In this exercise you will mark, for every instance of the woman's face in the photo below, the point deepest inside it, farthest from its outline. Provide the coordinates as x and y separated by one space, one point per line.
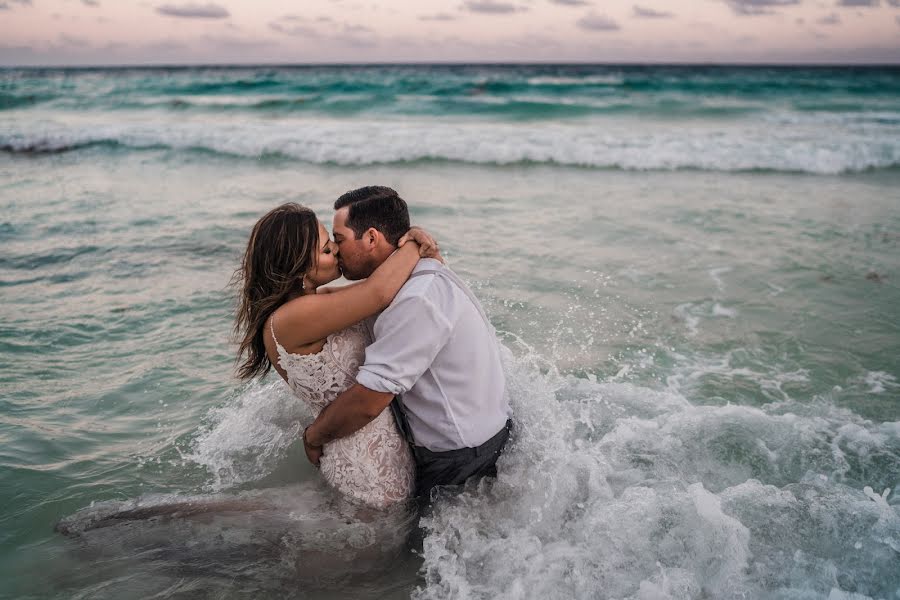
326 268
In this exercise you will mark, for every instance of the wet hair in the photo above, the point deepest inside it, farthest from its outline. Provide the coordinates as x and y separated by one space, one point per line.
376 206
282 249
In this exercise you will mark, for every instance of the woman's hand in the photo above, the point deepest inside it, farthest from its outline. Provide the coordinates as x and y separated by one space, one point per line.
428 246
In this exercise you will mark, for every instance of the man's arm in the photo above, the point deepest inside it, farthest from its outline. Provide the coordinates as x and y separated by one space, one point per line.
408 336
351 411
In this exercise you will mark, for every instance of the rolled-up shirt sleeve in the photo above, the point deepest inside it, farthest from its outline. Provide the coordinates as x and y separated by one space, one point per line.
408 336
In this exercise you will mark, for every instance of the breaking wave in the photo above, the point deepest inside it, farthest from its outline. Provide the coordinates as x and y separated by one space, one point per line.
600 145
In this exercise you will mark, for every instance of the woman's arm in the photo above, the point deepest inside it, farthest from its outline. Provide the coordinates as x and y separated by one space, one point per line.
308 319
337 288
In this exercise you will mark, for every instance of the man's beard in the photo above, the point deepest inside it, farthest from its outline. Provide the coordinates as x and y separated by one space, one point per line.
351 274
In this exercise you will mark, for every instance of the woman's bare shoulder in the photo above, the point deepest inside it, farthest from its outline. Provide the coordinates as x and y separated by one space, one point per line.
289 324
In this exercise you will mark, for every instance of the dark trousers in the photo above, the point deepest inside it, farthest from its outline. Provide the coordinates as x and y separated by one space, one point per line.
453 467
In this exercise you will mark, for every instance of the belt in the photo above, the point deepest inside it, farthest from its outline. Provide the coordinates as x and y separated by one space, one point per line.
489 447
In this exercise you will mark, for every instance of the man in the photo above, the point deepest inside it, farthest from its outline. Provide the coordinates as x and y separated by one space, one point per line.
433 347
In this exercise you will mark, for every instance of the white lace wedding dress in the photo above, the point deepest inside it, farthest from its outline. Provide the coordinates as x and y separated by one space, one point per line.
373 465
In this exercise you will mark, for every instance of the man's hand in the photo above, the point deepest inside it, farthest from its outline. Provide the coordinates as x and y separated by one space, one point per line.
313 453
354 408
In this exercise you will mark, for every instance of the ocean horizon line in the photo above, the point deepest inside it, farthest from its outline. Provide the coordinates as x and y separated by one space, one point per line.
343 64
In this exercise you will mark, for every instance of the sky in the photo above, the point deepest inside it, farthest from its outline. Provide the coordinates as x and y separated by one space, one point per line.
126 32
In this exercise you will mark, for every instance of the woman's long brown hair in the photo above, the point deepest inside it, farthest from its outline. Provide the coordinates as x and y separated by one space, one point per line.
282 249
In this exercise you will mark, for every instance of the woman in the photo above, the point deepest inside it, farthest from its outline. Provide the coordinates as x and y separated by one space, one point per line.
315 338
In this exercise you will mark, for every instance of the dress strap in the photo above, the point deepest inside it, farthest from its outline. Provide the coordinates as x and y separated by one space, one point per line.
272 329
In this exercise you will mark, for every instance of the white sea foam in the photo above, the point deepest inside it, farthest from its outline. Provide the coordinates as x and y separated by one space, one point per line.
693 313
724 311
246 437
616 491
741 368
220 100
587 80
777 290
621 144
716 276
879 382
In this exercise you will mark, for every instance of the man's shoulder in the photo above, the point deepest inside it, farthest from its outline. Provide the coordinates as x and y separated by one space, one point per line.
425 280
427 289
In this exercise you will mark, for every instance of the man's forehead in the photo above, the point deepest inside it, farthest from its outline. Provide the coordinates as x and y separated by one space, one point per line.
340 217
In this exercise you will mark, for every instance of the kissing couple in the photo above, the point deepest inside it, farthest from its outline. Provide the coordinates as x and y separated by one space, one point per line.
401 368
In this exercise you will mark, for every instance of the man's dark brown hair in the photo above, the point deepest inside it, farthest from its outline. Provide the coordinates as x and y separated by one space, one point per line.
376 206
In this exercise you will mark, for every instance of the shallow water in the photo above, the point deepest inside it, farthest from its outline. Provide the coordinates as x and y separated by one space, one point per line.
704 362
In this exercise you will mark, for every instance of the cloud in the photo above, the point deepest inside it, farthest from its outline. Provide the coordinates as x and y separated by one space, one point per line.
193 11
832 19
228 42
71 40
356 42
595 22
572 2
90 2
292 29
491 7
649 13
344 34
356 36
894 3
6 6
437 17
355 29
758 7
858 3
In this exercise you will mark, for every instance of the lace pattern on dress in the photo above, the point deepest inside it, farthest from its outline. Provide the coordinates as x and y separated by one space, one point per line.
373 465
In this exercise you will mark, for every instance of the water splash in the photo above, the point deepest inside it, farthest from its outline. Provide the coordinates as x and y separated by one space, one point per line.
617 491
247 436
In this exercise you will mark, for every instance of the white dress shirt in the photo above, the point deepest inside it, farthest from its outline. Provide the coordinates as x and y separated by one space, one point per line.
433 346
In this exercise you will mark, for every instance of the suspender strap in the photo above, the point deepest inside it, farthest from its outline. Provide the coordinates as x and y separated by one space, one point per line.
462 286
399 414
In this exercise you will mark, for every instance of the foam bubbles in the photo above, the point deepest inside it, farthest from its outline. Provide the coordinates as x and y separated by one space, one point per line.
617 491
879 382
692 314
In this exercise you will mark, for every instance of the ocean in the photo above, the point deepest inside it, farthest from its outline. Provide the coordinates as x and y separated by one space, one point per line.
694 271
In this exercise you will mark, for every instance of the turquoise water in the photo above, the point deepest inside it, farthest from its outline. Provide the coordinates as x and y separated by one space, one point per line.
695 272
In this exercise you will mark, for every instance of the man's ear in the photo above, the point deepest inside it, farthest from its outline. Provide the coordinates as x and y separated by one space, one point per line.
371 236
